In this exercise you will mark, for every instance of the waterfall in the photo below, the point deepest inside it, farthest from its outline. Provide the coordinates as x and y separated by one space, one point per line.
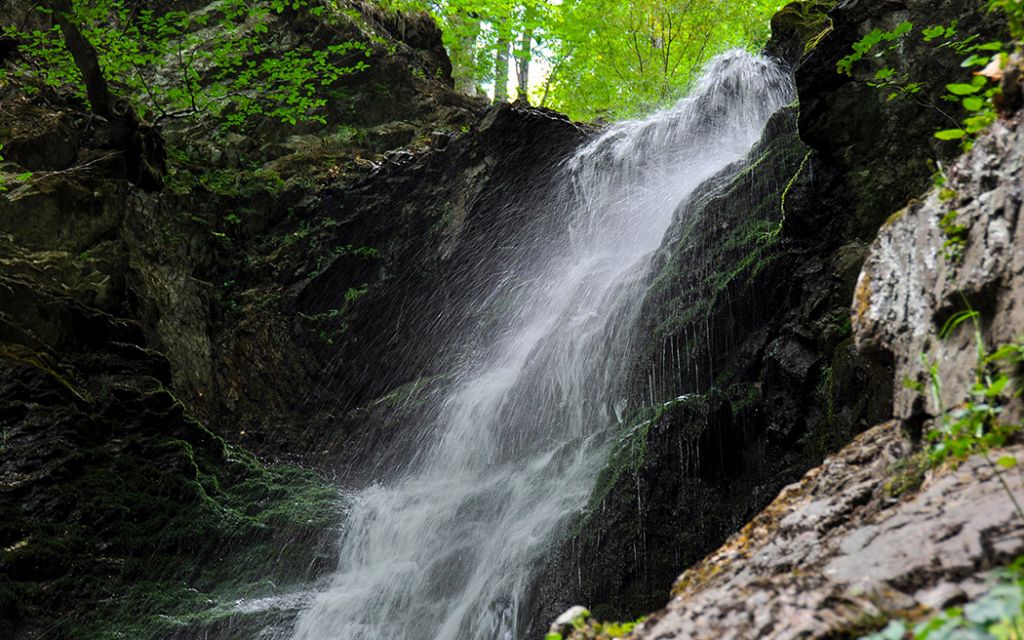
446 548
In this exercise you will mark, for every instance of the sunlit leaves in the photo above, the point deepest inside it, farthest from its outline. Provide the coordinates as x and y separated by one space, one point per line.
595 58
615 59
962 89
868 43
215 62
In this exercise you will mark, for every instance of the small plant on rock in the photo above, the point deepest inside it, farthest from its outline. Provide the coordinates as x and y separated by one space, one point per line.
978 96
976 427
998 615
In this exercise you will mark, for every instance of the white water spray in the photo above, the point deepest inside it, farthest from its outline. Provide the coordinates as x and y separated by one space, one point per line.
447 549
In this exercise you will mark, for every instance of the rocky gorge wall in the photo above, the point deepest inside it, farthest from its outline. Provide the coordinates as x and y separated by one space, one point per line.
150 341
749 356
873 534
274 299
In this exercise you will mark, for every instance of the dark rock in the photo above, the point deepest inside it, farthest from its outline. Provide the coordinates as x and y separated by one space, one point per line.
878 146
791 358
43 141
795 27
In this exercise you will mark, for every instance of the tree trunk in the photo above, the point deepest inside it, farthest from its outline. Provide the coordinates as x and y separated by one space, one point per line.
501 70
144 152
548 81
525 55
465 72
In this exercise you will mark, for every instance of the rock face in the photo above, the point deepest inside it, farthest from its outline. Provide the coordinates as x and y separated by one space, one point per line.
747 353
109 492
837 553
858 130
965 253
246 304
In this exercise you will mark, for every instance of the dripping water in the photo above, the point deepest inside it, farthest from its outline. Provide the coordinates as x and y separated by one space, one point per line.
445 547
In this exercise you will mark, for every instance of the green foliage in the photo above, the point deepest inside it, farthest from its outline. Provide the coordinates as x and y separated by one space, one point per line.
1014 12
974 427
612 59
884 47
217 62
586 628
976 96
998 615
907 475
869 42
599 58
956 236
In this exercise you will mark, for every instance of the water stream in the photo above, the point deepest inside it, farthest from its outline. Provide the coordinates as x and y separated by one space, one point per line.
446 549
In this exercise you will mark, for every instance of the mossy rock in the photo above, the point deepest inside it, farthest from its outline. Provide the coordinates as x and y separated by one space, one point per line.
124 517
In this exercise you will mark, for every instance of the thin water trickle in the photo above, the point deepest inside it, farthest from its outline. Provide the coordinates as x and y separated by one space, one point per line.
446 548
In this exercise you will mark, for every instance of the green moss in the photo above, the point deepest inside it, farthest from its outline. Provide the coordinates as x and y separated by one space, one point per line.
166 527
743 397
907 475
628 453
861 625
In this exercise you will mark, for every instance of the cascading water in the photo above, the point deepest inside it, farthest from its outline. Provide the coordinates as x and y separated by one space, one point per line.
446 547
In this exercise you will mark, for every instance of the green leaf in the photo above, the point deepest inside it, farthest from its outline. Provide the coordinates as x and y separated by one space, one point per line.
997 386
884 73
1007 462
988 46
950 134
975 61
932 33
961 89
959 317
973 103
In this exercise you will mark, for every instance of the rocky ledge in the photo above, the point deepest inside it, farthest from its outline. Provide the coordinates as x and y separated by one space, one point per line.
840 552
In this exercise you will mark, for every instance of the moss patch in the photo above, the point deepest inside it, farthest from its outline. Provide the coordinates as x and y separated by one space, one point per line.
136 520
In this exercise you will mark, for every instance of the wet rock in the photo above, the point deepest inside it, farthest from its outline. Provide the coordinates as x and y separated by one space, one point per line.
41 140
794 26
439 139
791 358
564 624
961 247
54 212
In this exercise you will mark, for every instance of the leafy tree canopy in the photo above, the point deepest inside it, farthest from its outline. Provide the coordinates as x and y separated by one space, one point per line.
589 58
219 61
592 58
